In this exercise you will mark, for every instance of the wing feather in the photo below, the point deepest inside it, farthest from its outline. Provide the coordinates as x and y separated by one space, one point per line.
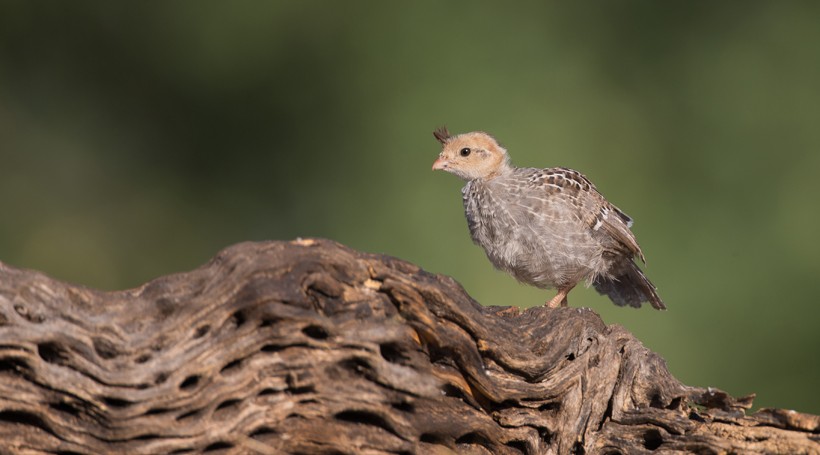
617 227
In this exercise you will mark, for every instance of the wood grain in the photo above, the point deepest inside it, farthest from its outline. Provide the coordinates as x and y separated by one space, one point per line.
309 347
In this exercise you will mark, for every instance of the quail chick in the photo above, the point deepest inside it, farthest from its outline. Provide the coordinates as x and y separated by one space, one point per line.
549 228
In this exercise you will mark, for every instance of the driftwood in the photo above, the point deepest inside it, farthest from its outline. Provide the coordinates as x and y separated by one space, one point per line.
309 347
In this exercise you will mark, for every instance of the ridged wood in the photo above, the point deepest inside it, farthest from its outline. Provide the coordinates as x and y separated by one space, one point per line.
310 347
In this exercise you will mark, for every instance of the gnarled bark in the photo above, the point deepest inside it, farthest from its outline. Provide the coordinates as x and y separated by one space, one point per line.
310 347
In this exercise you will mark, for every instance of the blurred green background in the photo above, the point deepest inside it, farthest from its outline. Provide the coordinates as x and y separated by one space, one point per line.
139 138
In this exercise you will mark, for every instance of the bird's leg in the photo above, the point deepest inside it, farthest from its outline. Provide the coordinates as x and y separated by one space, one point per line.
560 299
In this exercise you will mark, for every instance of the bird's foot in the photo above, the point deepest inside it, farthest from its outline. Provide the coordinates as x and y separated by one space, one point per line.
560 299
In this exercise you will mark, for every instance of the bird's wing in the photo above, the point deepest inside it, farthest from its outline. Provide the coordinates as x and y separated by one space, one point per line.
593 208
613 221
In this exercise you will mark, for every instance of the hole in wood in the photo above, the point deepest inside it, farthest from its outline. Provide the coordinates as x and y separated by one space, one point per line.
474 438
143 358
392 352
202 330
545 435
262 432
232 403
316 332
550 406
52 352
231 367
64 407
105 348
656 402
161 377
115 402
520 446
432 438
166 307
696 417
357 365
190 382
403 406
366 418
26 418
301 390
188 415
238 318
14 365
453 391
147 437
273 348
220 445
652 439
268 321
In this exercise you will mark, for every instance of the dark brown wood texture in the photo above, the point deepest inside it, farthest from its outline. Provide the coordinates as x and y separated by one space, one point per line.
310 347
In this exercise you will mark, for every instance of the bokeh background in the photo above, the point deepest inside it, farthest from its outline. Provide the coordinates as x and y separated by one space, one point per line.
139 138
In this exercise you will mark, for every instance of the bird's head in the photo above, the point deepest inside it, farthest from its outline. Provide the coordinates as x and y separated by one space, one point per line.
470 156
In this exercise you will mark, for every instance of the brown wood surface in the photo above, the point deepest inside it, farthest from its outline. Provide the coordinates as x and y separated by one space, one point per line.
310 347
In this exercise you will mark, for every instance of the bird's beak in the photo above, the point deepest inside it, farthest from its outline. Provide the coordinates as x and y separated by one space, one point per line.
440 163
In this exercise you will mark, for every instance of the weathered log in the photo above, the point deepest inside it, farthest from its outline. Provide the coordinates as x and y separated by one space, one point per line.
310 347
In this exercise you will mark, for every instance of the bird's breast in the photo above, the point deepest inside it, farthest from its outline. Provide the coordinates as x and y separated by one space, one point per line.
535 236
494 221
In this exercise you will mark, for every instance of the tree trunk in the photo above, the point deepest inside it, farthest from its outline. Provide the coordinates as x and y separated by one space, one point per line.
310 347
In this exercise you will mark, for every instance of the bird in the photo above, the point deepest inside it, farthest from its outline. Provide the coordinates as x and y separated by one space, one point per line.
549 228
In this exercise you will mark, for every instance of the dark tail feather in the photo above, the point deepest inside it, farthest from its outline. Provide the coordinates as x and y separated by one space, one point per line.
630 288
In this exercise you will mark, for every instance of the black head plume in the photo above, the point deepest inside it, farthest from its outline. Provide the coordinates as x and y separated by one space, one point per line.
441 134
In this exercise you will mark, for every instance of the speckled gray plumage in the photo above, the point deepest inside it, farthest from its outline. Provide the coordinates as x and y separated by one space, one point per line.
551 228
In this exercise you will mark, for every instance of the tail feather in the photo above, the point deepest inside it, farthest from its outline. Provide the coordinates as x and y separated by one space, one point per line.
631 287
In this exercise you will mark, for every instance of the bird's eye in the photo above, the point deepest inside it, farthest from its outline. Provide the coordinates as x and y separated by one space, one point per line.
464 152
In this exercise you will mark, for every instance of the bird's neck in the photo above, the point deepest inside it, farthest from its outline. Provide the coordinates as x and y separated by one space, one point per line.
504 168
